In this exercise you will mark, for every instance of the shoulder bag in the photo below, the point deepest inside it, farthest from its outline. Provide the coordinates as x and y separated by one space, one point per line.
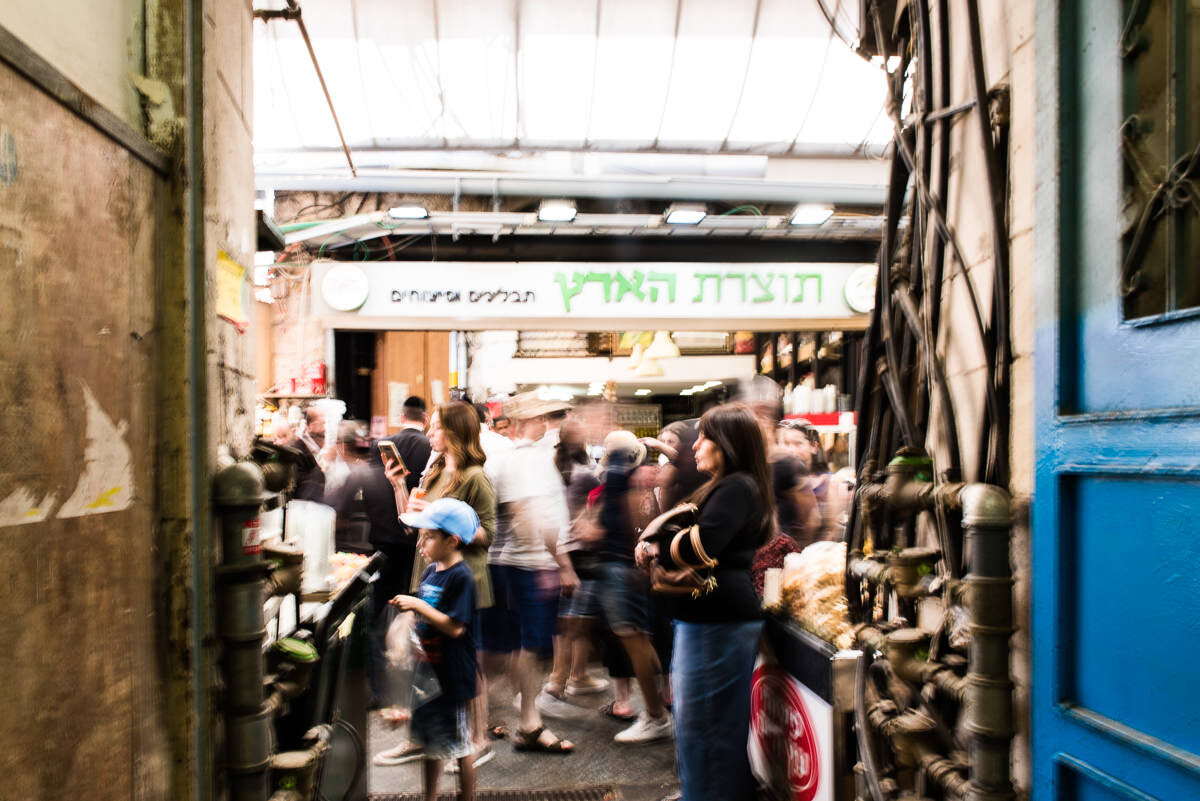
669 530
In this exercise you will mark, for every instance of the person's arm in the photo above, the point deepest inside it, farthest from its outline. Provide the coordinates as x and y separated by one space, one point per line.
397 477
722 518
440 620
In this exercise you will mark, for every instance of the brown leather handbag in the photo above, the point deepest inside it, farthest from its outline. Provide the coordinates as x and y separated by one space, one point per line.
669 530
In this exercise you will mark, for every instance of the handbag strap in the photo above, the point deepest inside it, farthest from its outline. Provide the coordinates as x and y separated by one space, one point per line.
654 525
693 534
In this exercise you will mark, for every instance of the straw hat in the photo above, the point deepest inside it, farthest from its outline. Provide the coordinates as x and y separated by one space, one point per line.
623 441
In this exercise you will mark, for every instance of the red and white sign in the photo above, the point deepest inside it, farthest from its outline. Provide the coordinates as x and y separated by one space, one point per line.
251 537
791 736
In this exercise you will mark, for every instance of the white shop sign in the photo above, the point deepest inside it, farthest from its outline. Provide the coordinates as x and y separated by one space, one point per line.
473 291
791 736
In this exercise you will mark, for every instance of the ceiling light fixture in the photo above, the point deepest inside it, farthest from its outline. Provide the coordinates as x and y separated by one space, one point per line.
662 347
686 392
811 214
556 210
411 211
685 213
641 393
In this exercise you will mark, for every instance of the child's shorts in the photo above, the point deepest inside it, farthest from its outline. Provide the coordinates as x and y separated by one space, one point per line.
440 726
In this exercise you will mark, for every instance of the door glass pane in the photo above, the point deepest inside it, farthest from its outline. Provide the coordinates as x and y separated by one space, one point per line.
1160 164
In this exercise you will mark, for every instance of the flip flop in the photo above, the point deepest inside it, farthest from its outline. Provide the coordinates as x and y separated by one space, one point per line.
609 711
531 741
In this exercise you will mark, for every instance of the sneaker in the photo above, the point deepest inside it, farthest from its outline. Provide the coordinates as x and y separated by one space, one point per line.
554 707
400 755
647 730
589 686
482 757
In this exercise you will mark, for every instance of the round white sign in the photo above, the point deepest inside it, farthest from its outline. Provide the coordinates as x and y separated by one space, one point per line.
860 288
345 287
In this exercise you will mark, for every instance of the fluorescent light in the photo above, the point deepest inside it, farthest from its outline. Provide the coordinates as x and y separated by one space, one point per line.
688 391
710 384
408 212
811 214
641 393
557 210
685 213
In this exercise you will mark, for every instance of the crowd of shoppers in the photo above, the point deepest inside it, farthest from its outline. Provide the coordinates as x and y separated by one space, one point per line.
558 578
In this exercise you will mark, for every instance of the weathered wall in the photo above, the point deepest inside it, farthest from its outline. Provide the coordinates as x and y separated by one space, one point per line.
95 45
1008 29
229 217
82 652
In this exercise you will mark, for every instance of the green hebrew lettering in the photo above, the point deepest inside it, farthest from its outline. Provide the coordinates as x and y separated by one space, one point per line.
662 278
803 278
738 277
626 286
571 291
702 278
602 278
765 287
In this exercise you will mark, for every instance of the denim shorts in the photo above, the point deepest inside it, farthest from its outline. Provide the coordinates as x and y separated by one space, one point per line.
440 726
624 598
525 614
584 603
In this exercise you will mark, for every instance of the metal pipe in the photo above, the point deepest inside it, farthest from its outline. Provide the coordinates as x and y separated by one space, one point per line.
426 182
989 707
292 12
196 403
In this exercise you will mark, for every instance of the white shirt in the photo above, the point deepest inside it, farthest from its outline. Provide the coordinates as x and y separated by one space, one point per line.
533 508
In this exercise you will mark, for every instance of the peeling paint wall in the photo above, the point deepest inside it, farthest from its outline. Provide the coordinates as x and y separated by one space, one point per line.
83 708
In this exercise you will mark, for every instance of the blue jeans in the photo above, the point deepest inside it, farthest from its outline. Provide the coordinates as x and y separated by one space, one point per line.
711 669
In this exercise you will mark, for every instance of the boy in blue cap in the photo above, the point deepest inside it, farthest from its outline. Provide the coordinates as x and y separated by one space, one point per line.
445 605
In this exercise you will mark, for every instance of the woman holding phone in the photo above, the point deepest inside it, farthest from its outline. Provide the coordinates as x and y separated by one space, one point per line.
457 472
716 634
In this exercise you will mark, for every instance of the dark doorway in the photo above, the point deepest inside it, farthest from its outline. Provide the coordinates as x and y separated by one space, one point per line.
354 361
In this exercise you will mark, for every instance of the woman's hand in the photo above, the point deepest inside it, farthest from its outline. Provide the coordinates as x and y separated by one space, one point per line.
415 504
644 553
660 446
395 473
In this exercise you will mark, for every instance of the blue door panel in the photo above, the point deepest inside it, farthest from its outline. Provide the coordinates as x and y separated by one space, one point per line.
1134 601
1116 515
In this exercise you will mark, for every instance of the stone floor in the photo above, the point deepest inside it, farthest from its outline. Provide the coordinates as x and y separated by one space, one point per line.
639 772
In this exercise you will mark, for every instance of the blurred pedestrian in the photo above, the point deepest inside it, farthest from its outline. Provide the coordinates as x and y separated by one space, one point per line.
716 634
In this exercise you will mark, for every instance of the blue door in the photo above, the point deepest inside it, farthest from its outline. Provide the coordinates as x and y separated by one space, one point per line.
1116 521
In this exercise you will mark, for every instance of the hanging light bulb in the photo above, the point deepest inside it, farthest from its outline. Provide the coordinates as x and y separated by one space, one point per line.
635 356
662 347
648 368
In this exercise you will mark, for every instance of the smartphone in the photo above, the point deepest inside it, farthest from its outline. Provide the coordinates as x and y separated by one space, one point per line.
388 450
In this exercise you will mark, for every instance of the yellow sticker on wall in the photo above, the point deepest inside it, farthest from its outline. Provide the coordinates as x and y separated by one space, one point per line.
231 295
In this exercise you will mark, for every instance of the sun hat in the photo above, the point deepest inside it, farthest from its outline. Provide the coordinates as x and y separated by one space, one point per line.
446 514
622 441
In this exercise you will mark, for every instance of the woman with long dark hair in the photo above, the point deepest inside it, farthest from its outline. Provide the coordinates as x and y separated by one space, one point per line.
716 634
457 472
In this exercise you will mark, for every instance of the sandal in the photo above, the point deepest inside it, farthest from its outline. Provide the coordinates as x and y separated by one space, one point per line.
499 732
532 741
610 711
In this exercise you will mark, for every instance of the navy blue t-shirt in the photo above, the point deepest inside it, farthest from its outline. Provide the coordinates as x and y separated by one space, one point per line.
452 592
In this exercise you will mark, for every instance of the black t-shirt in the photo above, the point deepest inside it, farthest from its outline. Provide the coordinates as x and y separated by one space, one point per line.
452 592
730 521
786 473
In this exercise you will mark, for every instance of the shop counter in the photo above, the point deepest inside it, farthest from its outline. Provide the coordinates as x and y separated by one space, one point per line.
802 704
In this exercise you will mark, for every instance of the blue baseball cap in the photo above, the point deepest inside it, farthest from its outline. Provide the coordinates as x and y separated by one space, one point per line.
446 514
